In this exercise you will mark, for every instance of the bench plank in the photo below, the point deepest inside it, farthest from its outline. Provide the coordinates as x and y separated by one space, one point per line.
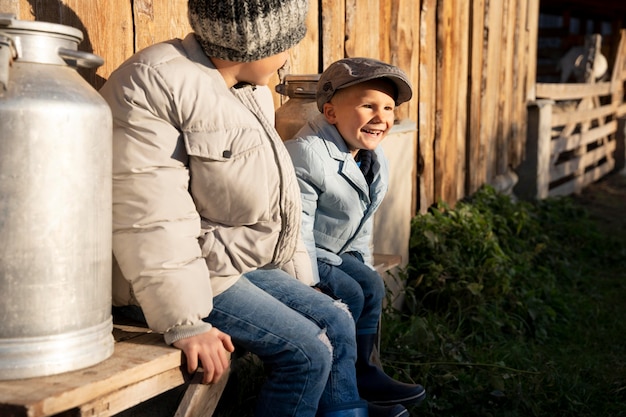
123 399
384 262
138 356
199 399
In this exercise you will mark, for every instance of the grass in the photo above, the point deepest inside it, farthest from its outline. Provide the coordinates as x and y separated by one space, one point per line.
513 309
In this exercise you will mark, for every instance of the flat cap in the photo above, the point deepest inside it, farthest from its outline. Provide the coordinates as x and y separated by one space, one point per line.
350 71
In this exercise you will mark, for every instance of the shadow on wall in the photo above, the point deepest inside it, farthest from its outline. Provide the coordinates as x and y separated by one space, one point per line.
54 11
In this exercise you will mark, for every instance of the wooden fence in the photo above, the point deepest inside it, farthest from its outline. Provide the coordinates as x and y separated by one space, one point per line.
576 133
471 62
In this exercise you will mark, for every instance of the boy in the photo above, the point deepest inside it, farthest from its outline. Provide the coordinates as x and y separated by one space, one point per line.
206 209
343 177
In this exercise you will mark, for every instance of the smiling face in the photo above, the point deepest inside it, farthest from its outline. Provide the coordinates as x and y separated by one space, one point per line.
362 113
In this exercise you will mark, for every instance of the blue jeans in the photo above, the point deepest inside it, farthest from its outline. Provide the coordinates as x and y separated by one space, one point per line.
357 285
305 337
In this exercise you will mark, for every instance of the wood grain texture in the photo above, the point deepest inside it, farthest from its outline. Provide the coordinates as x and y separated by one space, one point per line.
476 143
134 360
157 21
333 31
493 65
427 106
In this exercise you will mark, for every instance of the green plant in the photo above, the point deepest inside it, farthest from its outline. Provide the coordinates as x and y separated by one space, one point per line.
502 300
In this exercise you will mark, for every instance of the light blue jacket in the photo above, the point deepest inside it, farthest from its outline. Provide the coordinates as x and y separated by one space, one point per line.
337 204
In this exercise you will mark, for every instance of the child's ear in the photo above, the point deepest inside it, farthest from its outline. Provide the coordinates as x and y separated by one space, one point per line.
329 113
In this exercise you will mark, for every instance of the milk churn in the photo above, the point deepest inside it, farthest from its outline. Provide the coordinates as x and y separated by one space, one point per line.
300 107
55 204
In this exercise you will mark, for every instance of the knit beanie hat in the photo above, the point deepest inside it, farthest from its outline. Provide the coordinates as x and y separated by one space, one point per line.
247 30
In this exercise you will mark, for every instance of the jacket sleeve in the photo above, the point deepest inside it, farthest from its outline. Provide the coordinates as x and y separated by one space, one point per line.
155 224
310 184
300 266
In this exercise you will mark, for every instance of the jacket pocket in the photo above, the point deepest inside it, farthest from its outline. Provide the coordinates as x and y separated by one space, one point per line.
230 175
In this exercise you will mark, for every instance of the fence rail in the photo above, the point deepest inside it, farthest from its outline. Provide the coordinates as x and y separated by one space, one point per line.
575 134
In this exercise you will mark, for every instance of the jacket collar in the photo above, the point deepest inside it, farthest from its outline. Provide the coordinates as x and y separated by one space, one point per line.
338 150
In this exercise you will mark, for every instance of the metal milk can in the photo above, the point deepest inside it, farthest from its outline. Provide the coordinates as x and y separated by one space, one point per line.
55 204
301 106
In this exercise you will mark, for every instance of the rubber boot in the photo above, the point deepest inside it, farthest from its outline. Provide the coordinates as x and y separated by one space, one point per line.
358 409
387 410
377 387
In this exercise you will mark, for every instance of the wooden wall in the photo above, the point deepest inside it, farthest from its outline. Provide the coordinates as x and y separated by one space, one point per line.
471 62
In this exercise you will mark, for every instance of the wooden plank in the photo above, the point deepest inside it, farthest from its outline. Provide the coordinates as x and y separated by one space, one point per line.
519 69
461 34
103 24
385 26
333 31
568 143
201 400
491 81
134 360
574 117
619 73
107 23
532 33
476 145
440 129
303 57
451 94
384 262
133 394
363 29
426 106
617 77
585 104
404 49
505 94
534 178
587 159
572 91
12 6
576 186
157 21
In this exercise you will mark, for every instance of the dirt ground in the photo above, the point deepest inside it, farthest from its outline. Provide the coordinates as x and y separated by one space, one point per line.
606 201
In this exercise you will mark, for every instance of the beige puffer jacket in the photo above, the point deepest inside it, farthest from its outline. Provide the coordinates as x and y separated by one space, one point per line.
203 188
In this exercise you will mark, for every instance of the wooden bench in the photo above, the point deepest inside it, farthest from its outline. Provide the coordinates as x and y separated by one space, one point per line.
142 367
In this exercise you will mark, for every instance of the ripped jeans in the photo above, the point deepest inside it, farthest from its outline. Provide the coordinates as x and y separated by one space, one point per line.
304 337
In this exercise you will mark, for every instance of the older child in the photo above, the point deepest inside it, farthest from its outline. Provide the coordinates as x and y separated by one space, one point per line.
206 209
343 177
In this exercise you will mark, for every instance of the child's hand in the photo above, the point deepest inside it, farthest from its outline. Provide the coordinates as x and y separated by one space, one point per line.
208 350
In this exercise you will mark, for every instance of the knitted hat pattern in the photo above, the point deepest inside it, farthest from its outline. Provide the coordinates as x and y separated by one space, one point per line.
247 30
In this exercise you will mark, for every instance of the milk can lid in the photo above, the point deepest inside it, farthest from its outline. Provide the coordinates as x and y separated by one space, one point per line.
8 21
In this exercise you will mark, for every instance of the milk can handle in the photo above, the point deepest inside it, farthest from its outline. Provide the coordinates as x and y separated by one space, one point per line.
83 59
7 54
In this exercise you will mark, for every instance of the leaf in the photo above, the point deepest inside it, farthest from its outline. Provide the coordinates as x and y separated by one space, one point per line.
475 288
